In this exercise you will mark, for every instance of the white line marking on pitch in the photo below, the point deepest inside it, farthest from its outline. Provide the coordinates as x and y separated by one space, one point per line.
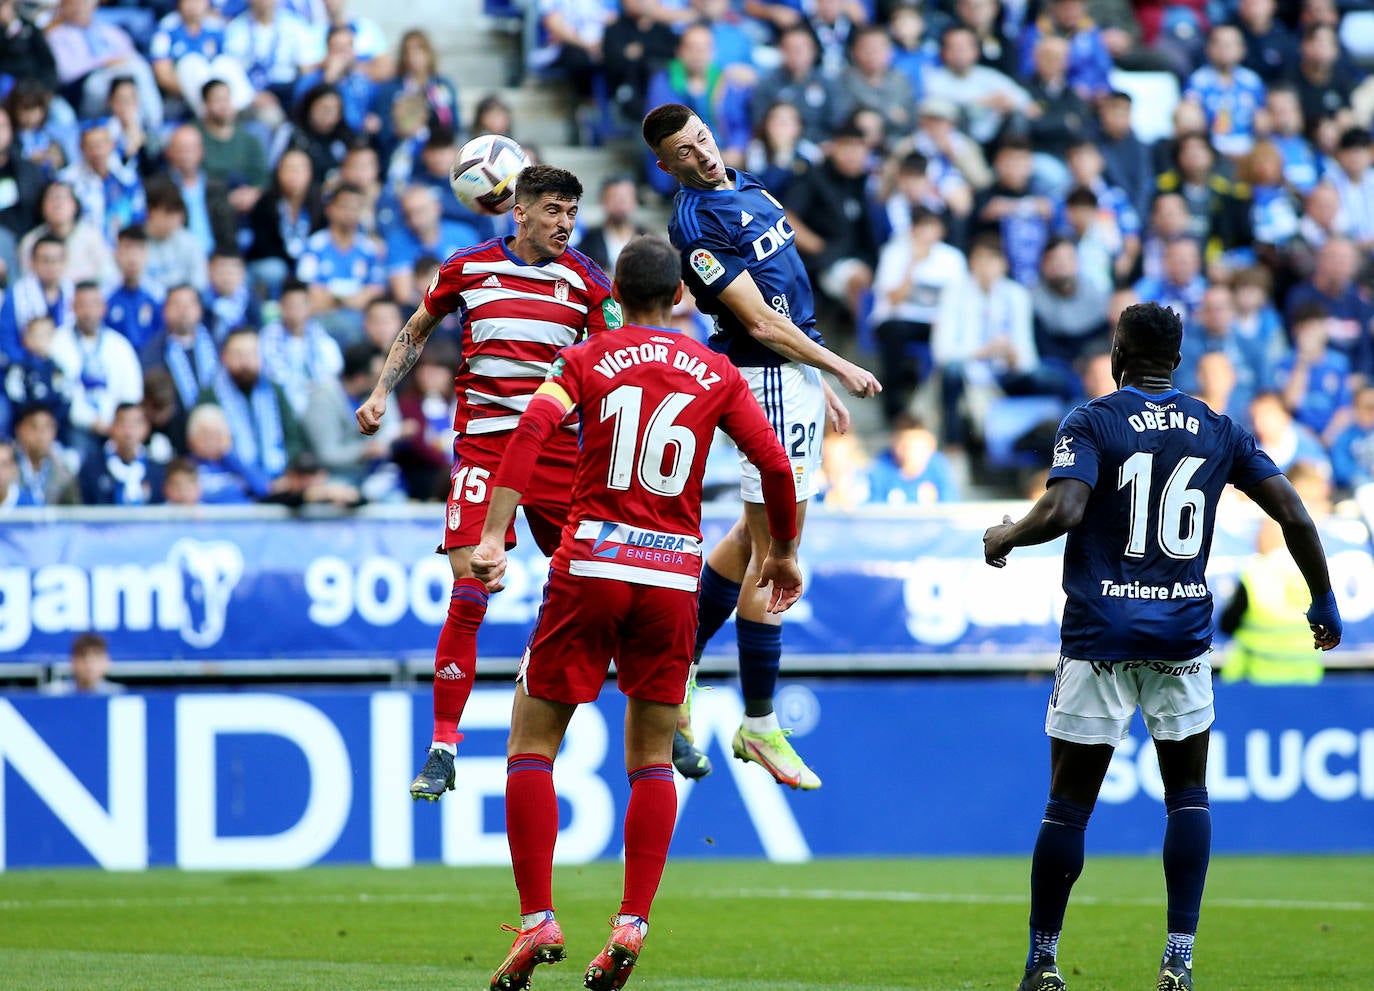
796 894
966 898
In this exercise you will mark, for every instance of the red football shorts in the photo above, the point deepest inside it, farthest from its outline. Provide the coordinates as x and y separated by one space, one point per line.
545 501
584 623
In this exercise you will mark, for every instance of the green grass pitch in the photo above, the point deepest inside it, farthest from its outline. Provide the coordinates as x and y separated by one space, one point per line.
929 924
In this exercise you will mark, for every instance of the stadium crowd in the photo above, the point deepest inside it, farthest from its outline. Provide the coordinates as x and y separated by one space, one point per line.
215 216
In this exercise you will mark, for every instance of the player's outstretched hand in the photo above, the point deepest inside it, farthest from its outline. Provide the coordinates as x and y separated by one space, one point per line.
370 414
787 582
1325 621
836 412
858 382
995 544
489 565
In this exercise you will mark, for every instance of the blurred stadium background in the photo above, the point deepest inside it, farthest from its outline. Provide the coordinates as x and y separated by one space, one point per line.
271 630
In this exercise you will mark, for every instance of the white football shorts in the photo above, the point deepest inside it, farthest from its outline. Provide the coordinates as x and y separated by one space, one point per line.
1093 701
793 400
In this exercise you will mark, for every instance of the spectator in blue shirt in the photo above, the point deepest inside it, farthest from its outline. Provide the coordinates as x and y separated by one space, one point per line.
122 473
340 70
417 74
1010 209
1274 210
912 54
44 292
1281 437
1216 330
1089 61
1117 215
1332 287
1229 94
229 302
421 230
1300 167
134 305
912 471
187 51
1314 378
1180 286
1352 452
224 478
341 267
34 378
111 196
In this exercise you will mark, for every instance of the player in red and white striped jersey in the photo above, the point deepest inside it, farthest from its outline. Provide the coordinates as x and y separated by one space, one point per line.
521 299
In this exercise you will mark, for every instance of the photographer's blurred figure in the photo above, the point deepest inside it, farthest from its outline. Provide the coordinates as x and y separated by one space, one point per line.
90 663
1270 647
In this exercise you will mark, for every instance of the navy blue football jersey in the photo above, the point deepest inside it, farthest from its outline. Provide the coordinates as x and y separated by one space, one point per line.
1135 567
723 232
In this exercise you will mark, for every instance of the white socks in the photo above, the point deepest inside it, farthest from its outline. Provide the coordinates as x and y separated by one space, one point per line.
762 724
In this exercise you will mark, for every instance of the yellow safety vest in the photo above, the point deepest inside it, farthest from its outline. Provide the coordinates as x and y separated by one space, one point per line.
1273 644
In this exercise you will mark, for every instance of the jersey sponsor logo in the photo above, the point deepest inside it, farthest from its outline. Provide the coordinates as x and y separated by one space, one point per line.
745 218
493 282
634 545
1063 457
560 290
781 305
707 268
774 239
610 309
556 369
1140 590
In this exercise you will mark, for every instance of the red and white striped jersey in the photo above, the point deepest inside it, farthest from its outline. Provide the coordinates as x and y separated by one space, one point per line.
516 316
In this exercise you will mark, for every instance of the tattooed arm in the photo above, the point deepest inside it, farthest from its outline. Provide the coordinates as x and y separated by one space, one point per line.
405 351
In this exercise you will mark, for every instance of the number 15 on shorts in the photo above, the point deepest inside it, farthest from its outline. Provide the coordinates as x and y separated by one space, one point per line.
470 486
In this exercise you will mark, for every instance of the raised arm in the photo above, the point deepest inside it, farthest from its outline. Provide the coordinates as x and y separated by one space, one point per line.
405 351
1277 497
777 332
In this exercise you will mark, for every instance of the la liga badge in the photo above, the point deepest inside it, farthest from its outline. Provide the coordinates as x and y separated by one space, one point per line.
705 265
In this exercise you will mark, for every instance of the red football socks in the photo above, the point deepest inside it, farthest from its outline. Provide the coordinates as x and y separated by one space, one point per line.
649 822
532 829
455 657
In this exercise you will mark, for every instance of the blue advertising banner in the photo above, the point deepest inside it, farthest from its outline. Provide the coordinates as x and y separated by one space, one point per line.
277 780
883 590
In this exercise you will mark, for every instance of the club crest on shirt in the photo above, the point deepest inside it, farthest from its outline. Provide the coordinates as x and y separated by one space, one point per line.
1063 457
455 515
706 266
560 290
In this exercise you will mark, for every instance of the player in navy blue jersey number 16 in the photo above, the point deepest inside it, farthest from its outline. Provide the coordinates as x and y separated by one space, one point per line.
1134 483
739 258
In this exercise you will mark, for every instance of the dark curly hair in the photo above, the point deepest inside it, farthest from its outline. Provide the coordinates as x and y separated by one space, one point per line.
541 180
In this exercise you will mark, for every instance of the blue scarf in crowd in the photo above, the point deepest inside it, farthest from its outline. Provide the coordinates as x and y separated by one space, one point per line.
190 380
265 446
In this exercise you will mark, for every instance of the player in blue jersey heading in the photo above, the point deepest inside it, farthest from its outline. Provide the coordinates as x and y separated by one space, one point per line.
1134 482
741 263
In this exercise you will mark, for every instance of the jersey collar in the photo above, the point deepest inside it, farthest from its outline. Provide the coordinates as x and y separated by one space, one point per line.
1150 395
505 246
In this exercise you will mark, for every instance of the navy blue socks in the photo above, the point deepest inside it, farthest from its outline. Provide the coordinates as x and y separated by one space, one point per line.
760 657
1055 866
1187 849
717 598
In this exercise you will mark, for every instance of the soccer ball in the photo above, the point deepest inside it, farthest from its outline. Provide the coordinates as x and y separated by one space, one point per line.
483 175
